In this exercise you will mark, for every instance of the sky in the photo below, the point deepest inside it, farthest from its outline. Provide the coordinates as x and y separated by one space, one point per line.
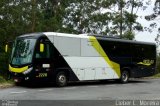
145 35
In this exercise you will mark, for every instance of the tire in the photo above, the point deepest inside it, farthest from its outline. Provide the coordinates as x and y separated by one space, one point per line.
61 79
124 76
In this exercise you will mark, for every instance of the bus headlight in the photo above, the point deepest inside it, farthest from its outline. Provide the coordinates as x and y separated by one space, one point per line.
28 70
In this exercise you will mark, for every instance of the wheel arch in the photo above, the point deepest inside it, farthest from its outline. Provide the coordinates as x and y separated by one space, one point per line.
65 70
71 75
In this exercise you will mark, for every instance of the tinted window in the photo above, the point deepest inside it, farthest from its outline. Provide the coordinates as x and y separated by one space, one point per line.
116 49
45 54
149 51
144 51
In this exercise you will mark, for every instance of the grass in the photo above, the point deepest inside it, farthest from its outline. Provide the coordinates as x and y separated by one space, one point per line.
156 76
5 83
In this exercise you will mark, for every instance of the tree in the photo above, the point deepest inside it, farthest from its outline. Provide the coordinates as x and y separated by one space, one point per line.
25 16
154 16
107 17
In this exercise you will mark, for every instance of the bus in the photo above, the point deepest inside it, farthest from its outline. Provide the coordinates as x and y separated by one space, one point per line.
62 58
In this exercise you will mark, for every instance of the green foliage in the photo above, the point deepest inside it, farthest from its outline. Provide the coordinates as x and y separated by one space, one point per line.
157 75
2 79
102 16
158 64
4 60
26 16
70 16
3 64
128 35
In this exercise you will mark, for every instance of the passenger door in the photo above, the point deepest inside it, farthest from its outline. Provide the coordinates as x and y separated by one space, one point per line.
43 61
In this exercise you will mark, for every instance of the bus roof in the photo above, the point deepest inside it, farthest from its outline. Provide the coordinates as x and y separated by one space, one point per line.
100 37
126 41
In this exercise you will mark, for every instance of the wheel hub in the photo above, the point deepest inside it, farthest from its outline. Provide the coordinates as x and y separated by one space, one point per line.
62 79
124 77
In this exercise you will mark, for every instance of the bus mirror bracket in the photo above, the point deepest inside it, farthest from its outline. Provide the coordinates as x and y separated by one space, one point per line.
6 48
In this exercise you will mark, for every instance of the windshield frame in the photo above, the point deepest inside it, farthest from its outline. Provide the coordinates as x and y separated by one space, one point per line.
15 46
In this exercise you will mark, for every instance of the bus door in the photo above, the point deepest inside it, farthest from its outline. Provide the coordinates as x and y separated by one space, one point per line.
43 61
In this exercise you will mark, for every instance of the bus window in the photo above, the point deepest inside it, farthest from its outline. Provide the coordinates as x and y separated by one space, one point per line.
149 51
137 51
121 50
45 53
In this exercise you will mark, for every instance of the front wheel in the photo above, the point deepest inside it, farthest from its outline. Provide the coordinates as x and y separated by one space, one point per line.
124 76
61 79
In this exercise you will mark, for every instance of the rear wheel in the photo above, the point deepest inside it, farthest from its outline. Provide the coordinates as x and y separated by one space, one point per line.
124 76
61 79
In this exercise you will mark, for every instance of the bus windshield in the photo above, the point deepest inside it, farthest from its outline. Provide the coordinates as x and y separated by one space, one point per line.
22 51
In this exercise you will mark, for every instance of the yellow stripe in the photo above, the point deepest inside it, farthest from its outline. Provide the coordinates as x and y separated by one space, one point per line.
99 49
18 70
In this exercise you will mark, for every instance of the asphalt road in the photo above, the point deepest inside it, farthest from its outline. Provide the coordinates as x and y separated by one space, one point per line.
136 89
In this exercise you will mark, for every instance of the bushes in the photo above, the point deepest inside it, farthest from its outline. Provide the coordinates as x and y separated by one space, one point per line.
2 79
158 64
4 64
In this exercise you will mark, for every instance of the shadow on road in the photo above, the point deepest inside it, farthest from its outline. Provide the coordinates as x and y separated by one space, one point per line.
84 83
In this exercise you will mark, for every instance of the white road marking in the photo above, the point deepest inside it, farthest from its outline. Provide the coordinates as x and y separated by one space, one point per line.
70 87
18 92
45 90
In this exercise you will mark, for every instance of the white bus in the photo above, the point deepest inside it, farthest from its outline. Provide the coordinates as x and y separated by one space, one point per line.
61 58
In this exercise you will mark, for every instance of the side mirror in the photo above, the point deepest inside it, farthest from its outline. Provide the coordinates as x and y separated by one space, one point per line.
6 48
41 47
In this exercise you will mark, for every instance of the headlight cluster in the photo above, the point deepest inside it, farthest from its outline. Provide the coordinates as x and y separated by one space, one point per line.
28 71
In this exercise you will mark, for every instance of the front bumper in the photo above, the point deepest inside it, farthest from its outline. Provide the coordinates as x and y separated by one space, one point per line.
19 77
